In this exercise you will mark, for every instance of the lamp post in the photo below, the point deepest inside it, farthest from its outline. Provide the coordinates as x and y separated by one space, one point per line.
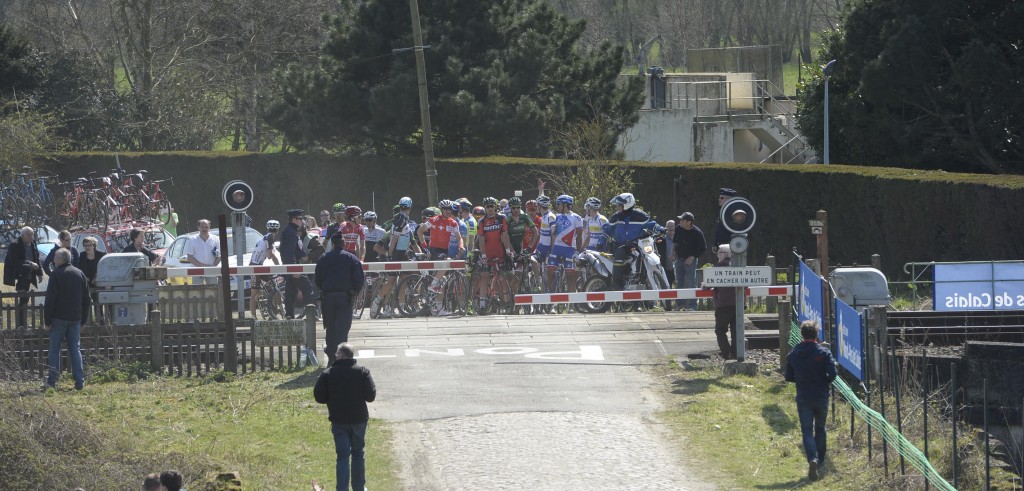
827 72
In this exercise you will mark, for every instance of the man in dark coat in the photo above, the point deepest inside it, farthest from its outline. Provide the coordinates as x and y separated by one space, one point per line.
811 366
22 269
67 307
722 235
339 276
346 387
292 253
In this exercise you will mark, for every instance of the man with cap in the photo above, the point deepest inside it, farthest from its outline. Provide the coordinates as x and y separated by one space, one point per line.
722 235
292 253
339 275
690 245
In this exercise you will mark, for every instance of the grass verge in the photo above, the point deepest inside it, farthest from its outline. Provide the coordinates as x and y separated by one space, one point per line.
265 426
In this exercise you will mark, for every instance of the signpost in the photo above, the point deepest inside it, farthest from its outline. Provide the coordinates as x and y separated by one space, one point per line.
811 306
238 197
738 276
738 216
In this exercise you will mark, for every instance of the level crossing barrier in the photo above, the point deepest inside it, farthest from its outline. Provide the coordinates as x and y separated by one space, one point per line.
643 295
388 267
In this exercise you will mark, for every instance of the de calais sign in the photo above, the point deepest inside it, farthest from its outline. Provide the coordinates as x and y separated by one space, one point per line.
812 305
850 337
979 286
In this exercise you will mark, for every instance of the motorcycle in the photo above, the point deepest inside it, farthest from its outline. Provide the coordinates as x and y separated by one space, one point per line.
645 272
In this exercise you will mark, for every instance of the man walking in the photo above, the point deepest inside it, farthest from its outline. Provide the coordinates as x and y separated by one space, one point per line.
339 276
22 269
67 306
811 366
346 388
292 253
690 245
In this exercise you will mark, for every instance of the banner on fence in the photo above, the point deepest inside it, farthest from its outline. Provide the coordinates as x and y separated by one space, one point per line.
285 332
979 286
812 304
850 338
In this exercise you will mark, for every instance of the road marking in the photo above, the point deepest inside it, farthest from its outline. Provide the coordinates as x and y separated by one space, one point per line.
585 353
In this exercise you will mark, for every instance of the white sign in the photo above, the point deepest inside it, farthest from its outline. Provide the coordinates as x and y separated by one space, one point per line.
816 230
816 223
745 276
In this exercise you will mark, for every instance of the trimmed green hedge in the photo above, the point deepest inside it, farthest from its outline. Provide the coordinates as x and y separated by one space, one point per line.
902 214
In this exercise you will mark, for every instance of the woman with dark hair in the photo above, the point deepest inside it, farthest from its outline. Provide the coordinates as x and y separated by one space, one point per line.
136 237
88 262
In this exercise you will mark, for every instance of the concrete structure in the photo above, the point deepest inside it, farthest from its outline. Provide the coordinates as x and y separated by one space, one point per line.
715 117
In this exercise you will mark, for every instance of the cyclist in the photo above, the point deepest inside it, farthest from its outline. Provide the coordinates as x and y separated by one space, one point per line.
593 223
443 227
519 225
382 246
566 241
352 232
478 214
425 215
624 228
547 220
532 235
453 245
338 211
494 244
466 215
374 235
264 249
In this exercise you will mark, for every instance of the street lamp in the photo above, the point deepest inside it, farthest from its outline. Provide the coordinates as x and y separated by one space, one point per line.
827 72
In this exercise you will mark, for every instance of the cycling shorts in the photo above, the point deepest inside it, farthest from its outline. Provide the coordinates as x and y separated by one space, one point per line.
438 254
503 263
554 261
543 250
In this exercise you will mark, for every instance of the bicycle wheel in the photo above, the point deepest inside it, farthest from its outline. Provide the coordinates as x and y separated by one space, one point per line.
271 301
412 296
359 303
502 299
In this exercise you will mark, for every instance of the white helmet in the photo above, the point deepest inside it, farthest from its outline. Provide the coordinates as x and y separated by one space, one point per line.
592 203
625 199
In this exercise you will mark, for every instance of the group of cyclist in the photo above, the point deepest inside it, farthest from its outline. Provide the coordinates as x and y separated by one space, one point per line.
543 232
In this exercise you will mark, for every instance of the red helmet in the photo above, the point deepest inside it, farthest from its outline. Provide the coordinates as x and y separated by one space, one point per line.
531 206
478 211
352 212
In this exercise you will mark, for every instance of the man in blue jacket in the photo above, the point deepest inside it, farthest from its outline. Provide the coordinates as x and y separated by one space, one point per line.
625 227
813 369
292 253
339 276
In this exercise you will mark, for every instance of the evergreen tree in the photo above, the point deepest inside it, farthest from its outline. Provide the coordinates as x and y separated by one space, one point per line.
502 75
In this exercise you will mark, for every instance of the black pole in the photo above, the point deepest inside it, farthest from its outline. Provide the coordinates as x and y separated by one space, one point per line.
881 402
925 384
988 463
899 414
231 346
952 397
867 381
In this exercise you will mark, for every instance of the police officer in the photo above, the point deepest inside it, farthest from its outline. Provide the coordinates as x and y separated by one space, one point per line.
339 275
722 235
292 253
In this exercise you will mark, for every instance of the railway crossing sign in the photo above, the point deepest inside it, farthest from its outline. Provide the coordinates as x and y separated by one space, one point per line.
816 226
738 276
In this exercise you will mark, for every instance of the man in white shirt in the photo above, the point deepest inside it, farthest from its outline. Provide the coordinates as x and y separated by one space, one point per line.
203 251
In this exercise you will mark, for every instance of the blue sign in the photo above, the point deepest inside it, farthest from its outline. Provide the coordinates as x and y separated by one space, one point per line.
850 338
811 302
979 286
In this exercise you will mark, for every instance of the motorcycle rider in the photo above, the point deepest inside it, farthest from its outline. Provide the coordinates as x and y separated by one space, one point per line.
624 228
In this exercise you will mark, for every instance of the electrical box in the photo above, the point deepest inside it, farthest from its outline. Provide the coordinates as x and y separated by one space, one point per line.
860 287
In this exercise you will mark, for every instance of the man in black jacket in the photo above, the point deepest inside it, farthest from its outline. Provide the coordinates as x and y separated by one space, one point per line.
811 366
22 269
339 276
67 306
346 388
690 245
292 253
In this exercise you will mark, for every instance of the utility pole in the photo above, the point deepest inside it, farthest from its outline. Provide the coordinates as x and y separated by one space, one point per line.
421 77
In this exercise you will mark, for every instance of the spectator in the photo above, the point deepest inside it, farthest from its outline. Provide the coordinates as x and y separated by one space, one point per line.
811 366
325 221
292 253
151 483
67 306
135 244
88 262
339 276
169 217
722 235
64 239
203 251
725 310
172 480
22 269
690 245
346 388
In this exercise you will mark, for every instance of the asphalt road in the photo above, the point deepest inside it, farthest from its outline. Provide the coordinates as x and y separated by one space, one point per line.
543 402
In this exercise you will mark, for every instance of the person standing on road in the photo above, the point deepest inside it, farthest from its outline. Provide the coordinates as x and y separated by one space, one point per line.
346 387
292 253
725 310
67 307
203 251
22 269
722 235
811 366
339 276
689 245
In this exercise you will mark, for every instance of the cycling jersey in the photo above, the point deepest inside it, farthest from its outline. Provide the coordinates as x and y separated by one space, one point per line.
264 247
373 236
517 230
595 231
564 231
442 229
470 236
529 234
352 233
546 225
453 244
492 229
404 236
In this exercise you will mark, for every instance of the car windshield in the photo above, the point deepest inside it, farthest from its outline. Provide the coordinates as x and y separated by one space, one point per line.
154 239
251 237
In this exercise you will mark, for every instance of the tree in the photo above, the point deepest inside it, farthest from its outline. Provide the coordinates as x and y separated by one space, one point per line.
924 84
501 75
15 64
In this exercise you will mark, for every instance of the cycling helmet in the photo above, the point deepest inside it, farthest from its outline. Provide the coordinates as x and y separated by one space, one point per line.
465 204
445 204
531 206
544 201
369 216
405 202
455 207
428 213
625 199
273 225
564 198
353 211
592 204
515 201
338 207
479 211
489 201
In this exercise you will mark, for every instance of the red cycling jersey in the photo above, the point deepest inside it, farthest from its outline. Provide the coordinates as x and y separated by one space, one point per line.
441 230
352 233
492 228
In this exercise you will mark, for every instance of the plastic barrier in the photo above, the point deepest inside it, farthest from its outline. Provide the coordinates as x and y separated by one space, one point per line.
310 268
643 295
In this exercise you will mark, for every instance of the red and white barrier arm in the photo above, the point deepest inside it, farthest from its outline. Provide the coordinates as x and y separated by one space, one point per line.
646 295
310 268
